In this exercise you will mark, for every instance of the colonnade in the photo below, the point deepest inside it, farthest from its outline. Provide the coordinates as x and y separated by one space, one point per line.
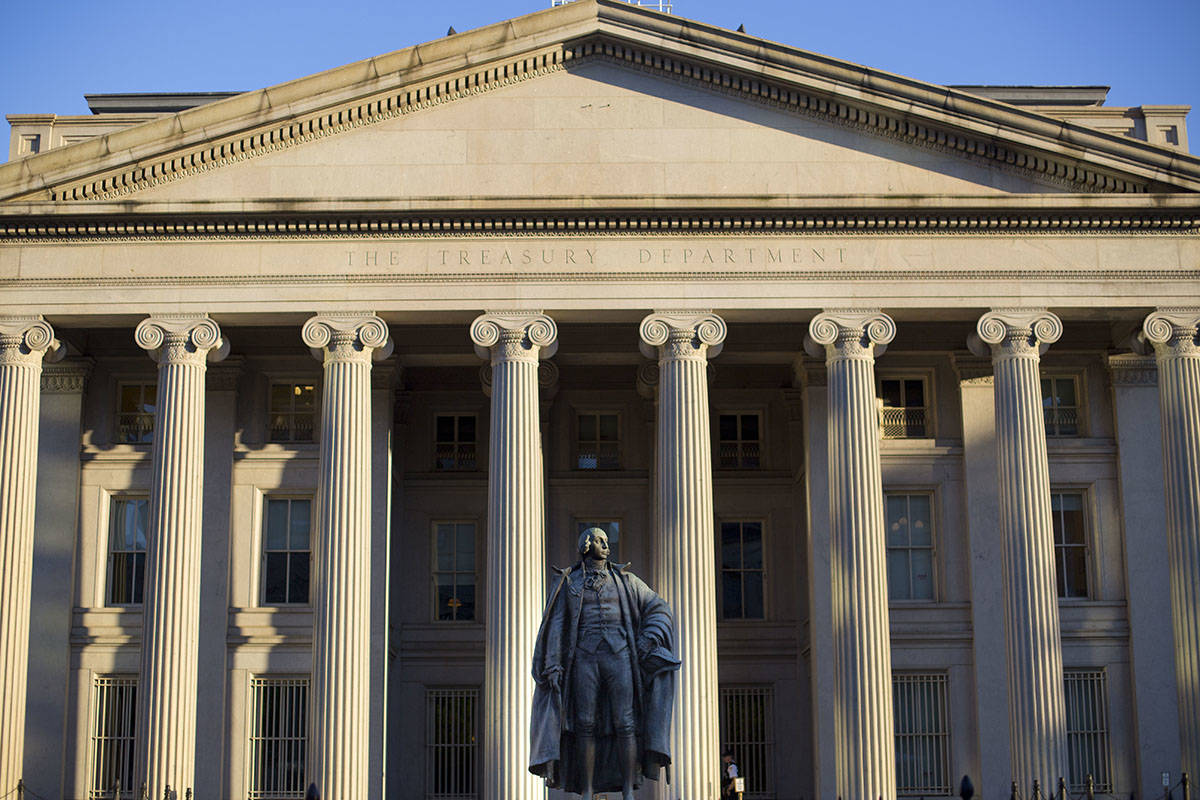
681 342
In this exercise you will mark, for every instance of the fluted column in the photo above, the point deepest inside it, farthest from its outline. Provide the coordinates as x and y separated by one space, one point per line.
865 750
167 685
1037 713
684 563
24 341
339 707
516 550
1173 332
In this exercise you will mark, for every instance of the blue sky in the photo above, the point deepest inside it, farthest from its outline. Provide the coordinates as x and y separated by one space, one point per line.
1148 51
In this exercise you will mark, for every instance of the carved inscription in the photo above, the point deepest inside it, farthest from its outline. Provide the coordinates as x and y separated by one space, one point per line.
601 255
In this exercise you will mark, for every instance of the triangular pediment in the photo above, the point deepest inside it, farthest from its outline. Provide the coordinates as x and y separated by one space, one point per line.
596 98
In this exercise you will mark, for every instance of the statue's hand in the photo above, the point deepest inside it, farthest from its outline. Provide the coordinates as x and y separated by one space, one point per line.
644 646
554 678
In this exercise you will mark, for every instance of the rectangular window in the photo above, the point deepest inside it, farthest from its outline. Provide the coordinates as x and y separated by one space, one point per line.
740 444
747 729
128 527
922 734
1087 729
1070 544
293 411
451 743
278 738
455 441
742 574
909 547
287 527
904 414
1060 404
454 570
114 716
598 445
612 527
136 403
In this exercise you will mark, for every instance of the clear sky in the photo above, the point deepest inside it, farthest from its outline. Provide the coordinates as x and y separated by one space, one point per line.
1148 51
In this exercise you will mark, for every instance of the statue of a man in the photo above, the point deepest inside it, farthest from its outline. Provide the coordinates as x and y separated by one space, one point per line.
605 671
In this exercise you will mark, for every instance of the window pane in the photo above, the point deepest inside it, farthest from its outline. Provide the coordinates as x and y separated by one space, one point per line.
1075 569
305 395
120 578
752 601
141 525
465 591
131 399
445 429
914 393
139 576
298 578
732 595
752 545
300 526
897 562
281 396
445 597
1065 389
445 547
731 545
464 548
608 427
587 427
466 429
897 520
277 524
919 526
728 425
276 578
1047 394
750 427
890 390
922 574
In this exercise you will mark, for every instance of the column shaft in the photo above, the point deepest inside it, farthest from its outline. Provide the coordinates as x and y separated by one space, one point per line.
1037 712
167 687
340 701
23 342
685 562
1174 335
866 765
516 552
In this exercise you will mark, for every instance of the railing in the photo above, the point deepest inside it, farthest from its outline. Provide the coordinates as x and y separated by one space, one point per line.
599 455
1062 421
454 455
902 423
738 455
135 427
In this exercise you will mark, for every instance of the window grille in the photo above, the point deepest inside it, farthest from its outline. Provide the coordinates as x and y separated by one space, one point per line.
278 738
740 441
920 718
1070 544
599 442
287 526
136 404
747 728
910 551
454 570
451 741
904 414
1060 405
128 528
742 573
293 411
114 704
612 527
455 441
1087 729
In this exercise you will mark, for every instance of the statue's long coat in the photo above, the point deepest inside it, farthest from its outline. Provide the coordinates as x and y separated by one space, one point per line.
644 616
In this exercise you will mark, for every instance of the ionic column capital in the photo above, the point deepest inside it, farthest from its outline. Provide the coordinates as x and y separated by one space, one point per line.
1015 332
28 340
861 333
681 335
356 336
181 339
514 336
1173 331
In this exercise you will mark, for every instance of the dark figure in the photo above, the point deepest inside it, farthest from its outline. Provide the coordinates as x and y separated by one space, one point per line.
605 671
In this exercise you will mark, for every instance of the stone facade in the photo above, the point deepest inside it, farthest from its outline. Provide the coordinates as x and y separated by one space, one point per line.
889 388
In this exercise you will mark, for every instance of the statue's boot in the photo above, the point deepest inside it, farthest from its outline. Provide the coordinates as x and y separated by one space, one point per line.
587 748
629 759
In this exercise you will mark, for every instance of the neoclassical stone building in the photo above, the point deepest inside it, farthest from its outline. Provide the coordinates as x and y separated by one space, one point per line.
891 389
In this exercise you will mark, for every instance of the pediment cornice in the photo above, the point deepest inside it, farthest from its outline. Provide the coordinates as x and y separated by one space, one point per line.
1071 157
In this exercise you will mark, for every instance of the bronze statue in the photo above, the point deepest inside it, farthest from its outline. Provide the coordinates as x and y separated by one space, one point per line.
605 671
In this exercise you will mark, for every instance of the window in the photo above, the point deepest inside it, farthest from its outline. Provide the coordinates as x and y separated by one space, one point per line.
739 441
599 442
1070 544
1060 404
747 729
904 414
114 710
909 547
279 721
741 570
128 527
920 718
135 412
612 527
451 742
287 526
293 409
454 570
455 446
1087 729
